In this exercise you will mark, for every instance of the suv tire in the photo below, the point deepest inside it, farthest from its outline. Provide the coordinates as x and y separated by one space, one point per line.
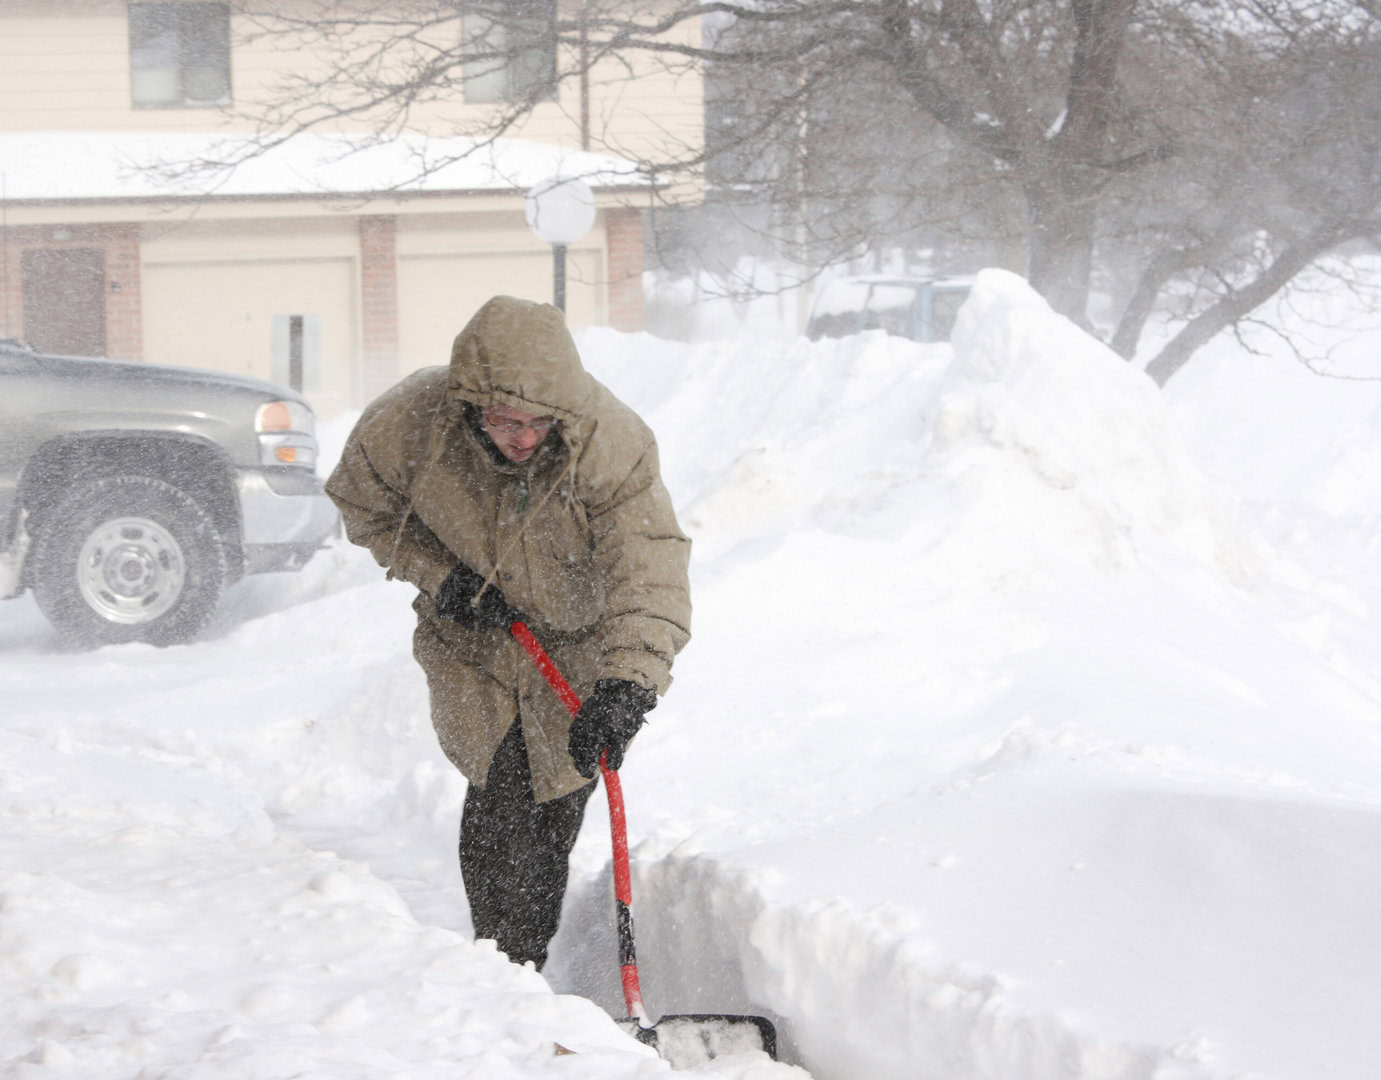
127 558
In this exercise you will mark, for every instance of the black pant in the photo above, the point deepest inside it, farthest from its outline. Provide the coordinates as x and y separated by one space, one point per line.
514 854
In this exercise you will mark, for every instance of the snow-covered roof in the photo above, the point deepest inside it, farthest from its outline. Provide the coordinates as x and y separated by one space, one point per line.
80 165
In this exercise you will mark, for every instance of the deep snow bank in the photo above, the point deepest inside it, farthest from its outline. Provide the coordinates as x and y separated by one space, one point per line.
996 752
1030 388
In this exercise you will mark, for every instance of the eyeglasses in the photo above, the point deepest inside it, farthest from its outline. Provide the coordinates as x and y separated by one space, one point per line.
540 426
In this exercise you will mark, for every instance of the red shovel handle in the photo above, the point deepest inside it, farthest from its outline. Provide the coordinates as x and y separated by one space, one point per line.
618 826
549 670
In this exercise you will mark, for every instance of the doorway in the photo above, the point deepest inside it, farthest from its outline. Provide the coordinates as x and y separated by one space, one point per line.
64 300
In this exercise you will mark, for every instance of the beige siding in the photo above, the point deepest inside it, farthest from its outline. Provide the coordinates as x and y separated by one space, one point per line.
651 111
659 117
66 69
69 70
65 65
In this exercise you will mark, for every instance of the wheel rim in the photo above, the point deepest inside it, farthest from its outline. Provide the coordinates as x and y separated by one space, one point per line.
131 570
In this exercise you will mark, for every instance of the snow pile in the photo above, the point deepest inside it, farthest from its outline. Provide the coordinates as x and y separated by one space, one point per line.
1005 747
1014 678
1037 390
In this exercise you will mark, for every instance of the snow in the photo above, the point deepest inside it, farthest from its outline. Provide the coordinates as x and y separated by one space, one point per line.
1030 729
50 165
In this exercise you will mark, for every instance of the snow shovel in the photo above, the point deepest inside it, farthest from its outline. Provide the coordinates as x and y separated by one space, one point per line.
683 1039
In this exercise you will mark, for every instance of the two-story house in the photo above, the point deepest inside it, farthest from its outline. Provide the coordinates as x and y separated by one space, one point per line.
334 265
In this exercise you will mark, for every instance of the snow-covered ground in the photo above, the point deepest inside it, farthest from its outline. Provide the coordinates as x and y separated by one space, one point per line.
1031 729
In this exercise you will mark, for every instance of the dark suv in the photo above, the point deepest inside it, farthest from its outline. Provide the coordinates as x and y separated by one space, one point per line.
132 494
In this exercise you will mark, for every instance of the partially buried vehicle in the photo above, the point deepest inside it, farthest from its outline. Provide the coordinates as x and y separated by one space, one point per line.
132 494
922 309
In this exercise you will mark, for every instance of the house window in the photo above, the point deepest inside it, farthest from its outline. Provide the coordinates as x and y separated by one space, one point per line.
510 51
179 54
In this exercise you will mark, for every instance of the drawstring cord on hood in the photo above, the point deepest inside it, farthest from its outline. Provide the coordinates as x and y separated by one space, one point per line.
435 448
518 353
527 520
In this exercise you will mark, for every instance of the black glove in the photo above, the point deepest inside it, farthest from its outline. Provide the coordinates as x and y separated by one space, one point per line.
454 601
610 716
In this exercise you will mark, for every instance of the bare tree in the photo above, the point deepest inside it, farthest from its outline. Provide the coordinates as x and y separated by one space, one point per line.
1197 153
1276 164
1172 156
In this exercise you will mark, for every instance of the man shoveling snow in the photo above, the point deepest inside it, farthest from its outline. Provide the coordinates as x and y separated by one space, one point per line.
513 486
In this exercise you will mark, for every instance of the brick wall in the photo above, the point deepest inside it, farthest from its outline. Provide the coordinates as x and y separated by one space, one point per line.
124 326
624 230
11 286
379 302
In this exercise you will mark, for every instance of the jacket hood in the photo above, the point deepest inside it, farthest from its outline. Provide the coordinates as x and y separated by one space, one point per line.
519 353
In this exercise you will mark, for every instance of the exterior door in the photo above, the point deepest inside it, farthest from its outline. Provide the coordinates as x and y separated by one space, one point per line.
64 300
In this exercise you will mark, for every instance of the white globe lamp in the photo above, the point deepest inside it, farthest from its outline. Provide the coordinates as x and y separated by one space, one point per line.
560 211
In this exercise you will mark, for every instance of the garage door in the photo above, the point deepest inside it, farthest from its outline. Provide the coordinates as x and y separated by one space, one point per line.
221 315
437 294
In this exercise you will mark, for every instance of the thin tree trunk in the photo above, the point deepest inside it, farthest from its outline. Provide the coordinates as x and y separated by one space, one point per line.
1143 300
1064 194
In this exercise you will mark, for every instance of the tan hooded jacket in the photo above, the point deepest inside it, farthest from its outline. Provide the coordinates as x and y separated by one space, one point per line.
582 534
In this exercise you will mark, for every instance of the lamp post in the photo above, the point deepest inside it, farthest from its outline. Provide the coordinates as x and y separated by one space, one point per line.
560 211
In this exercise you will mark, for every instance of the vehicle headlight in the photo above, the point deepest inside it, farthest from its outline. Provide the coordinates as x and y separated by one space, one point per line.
284 416
286 434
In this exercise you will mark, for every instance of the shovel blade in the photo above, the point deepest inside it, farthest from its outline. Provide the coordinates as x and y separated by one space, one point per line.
686 1040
